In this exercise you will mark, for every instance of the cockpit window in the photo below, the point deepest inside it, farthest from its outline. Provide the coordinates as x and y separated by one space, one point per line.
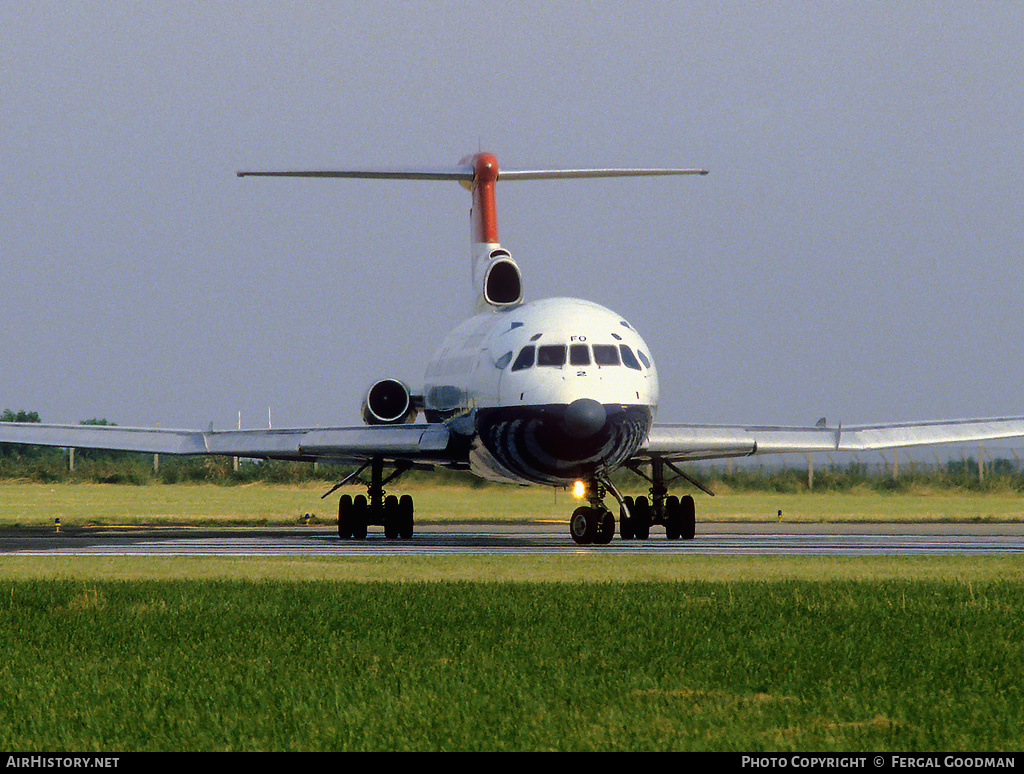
643 358
551 355
525 359
628 358
579 355
606 355
503 361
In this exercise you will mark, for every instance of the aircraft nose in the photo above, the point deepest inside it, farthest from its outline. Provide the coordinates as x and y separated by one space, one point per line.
584 418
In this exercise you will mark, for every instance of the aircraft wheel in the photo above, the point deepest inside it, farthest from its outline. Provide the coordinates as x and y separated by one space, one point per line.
360 512
688 518
642 519
673 518
345 517
405 512
582 526
626 519
605 523
391 517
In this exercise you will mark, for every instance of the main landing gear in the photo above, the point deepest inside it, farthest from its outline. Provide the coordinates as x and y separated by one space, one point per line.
676 514
395 514
594 524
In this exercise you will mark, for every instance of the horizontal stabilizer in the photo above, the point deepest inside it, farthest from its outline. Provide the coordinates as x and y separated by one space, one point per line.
464 173
568 174
460 173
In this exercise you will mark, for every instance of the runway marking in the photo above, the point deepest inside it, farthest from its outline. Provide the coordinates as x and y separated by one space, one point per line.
514 543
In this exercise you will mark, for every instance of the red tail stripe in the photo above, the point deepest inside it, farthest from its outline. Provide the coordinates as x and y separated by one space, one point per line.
484 215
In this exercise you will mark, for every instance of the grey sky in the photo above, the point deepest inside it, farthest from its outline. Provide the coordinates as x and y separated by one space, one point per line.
855 252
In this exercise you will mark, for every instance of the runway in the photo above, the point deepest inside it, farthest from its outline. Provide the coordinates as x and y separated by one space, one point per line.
521 539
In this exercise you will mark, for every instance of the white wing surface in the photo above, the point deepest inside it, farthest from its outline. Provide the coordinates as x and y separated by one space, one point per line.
703 442
421 443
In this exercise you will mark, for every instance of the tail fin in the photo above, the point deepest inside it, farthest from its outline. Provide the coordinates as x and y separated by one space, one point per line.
497 281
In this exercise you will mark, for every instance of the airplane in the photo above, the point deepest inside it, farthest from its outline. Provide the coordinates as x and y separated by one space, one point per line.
557 392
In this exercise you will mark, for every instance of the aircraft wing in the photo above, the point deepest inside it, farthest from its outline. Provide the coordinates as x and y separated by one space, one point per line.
704 442
427 443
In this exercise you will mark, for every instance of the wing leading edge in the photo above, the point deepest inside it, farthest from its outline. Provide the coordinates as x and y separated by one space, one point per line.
427 443
704 442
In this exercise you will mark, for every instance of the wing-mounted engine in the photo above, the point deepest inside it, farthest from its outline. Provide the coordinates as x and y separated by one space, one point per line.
389 402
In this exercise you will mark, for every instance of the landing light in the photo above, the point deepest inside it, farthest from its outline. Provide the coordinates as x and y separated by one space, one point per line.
579 490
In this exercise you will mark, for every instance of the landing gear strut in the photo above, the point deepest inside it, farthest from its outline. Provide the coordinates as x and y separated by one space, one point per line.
395 514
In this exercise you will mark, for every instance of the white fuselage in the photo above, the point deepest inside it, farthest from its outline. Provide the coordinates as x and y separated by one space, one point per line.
512 374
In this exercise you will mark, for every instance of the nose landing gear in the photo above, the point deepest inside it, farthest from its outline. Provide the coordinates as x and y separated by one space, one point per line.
593 523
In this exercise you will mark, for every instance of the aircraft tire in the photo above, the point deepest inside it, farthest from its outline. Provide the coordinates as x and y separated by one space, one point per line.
405 517
626 519
642 519
582 526
689 518
391 517
360 511
673 518
605 527
345 517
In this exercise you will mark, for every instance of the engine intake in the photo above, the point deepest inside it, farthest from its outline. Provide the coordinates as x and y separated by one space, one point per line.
503 284
389 402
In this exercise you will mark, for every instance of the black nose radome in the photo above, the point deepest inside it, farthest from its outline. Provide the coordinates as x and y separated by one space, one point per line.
584 418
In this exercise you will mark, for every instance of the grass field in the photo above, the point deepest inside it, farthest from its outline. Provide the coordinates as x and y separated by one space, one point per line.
580 652
187 665
32 504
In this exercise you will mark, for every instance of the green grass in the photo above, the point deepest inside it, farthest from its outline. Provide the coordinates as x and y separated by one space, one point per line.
582 568
270 665
35 504
505 653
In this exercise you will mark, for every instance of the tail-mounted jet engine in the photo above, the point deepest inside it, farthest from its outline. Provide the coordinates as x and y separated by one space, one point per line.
502 282
389 402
